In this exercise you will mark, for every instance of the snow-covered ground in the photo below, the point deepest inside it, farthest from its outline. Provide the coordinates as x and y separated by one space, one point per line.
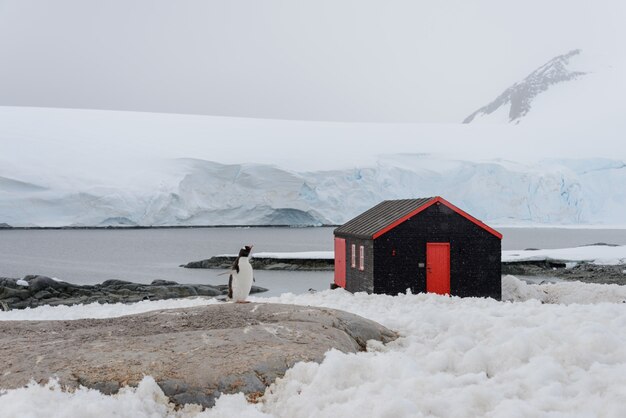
595 254
97 310
327 255
302 254
456 358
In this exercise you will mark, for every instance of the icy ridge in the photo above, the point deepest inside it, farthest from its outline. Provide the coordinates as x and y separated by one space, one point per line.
520 95
197 192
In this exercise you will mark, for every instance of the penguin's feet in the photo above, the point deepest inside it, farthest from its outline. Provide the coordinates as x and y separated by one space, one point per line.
243 301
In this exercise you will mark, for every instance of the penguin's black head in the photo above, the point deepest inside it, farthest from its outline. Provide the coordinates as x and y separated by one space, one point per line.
245 251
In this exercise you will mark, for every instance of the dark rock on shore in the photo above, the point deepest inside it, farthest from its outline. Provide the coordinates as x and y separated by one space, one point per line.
42 290
592 273
582 272
5 226
532 267
194 354
292 264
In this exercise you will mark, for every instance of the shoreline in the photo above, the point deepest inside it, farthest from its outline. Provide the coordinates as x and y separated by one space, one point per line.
22 228
37 290
569 270
7 227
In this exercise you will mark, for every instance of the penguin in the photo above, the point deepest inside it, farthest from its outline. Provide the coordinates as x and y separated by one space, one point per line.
241 276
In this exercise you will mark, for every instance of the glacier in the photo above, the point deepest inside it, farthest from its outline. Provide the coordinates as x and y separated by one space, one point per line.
68 167
185 191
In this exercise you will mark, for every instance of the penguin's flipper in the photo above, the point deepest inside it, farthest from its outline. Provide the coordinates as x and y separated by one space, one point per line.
235 265
230 286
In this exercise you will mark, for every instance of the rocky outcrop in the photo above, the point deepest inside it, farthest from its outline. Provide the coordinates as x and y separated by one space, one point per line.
531 267
259 263
582 271
5 226
33 291
194 354
519 96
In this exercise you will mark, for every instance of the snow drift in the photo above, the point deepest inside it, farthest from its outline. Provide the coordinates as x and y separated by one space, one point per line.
455 357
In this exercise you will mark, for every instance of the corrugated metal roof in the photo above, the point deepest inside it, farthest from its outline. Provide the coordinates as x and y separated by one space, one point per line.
380 216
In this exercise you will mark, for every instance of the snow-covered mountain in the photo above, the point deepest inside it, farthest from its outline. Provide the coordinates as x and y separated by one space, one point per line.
517 100
198 192
578 91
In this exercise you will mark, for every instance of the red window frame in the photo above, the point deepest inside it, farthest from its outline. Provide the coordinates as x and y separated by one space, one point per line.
353 256
361 258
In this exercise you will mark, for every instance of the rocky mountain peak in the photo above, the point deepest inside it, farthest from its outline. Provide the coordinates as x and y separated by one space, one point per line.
520 95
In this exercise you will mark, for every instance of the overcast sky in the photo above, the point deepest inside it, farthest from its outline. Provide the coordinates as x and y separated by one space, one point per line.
335 60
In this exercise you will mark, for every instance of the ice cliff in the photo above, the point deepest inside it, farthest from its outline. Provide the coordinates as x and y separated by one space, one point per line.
199 192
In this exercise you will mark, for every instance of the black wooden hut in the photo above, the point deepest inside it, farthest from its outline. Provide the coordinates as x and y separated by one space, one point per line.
426 245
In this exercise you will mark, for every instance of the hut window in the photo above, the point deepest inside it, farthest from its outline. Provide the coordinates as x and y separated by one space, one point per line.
353 256
361 258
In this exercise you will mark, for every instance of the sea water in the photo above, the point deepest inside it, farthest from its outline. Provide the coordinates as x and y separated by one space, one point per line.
142 255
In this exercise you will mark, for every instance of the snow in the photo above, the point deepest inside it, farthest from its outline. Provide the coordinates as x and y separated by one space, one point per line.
21 282
566 293
122 168
308 255
595 254
97 310
253 194
48 400
328 255
593 95
455 357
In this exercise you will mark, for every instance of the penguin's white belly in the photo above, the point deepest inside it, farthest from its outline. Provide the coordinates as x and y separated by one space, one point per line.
242 281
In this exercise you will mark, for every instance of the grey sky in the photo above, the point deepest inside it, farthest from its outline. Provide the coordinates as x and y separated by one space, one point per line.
365 60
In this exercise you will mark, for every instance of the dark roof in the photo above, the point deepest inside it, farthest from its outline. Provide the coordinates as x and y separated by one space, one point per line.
388 214
380 216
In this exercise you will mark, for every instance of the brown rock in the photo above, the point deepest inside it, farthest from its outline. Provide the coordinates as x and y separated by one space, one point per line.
194 354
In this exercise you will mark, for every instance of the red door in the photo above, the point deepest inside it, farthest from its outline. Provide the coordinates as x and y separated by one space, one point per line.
438 267
340 262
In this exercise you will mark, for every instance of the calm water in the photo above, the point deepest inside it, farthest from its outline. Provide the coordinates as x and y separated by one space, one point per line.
92 256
